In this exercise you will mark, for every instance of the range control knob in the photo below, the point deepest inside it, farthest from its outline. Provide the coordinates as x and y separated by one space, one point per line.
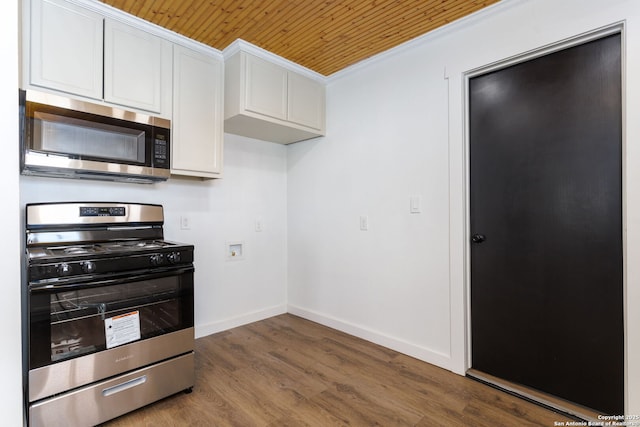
64 269
173 257
156 259
88 266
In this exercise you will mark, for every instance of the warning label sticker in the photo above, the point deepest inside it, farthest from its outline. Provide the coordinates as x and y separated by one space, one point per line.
122 329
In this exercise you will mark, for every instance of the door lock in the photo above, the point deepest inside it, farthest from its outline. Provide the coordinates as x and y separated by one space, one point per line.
478 238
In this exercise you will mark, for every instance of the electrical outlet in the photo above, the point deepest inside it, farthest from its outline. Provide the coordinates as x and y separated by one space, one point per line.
364 223
258 225
185 223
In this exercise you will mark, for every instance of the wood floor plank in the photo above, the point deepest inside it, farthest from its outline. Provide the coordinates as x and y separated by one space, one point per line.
344 403
369 394
289 372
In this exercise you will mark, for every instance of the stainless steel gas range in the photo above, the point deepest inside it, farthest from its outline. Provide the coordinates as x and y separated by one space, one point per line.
110 311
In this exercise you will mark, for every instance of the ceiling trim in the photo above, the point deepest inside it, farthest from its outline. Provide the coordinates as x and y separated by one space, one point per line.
124 17
240 45
423 39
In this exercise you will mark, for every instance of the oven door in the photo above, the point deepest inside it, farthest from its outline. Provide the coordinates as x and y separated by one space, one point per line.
84 331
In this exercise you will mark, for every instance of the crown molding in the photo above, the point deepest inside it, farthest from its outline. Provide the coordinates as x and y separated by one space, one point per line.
424 39
124 17
240 45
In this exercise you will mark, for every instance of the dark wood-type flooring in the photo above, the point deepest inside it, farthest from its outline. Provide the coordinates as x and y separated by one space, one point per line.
287 371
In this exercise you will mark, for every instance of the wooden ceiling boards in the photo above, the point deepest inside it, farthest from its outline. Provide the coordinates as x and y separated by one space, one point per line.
322 35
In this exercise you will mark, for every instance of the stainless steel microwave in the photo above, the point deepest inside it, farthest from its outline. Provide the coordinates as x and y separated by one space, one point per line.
64 137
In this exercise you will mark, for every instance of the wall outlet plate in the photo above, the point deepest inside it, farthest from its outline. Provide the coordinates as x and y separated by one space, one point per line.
185 223
364 223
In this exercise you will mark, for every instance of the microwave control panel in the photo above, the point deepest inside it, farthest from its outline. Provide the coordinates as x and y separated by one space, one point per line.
160 151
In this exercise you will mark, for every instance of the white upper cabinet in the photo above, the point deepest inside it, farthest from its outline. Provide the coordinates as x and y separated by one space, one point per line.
65 48
267 101
197 135
306 105
77 50
266 88
137 68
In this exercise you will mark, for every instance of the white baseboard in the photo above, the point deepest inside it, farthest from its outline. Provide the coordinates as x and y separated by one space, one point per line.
243 319
421 353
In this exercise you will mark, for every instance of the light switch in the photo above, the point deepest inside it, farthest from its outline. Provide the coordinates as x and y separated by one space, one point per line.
415 204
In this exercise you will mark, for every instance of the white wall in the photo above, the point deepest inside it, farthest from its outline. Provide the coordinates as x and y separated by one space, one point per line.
395 129
227 293
10 326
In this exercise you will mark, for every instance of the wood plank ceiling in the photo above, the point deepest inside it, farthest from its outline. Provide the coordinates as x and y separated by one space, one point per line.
322 35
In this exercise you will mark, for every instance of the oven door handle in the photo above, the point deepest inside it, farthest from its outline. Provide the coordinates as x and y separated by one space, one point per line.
61 285
125 228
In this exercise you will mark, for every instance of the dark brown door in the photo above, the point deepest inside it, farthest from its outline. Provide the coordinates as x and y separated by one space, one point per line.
546 221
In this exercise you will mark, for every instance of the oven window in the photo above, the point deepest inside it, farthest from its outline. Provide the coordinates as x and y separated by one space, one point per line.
70 323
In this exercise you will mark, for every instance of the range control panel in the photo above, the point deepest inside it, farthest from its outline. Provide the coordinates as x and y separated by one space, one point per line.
102 211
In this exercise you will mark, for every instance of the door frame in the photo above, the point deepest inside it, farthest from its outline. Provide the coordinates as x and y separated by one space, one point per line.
615 28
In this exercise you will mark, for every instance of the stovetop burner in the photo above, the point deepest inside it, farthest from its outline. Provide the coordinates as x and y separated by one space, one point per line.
76 250
132 245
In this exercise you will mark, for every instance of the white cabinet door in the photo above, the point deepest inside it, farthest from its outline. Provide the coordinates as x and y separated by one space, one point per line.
137 68
197 127
66 48
266 88
267 101
306 101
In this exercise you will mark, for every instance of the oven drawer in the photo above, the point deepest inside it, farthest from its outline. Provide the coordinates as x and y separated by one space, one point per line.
105 400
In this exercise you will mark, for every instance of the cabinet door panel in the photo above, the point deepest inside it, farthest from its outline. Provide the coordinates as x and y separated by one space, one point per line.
306 101
134 64
66 48
266 89
197 115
